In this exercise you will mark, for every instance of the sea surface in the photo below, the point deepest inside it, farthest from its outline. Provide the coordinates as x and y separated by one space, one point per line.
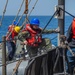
43 22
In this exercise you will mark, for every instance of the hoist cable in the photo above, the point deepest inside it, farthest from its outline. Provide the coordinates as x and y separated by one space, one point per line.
23 13
31 10
23 24
67 12
29 14
18 11
20 18
26 7
46 24
24 21
3 12
33 7
29 2
16 17
49 21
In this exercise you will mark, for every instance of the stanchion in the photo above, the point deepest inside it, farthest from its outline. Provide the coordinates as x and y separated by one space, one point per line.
4 55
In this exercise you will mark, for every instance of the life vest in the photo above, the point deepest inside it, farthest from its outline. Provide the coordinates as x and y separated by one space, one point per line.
10 28
13 33
73 28
35 37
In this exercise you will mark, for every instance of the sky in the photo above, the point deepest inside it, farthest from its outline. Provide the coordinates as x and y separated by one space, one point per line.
43 7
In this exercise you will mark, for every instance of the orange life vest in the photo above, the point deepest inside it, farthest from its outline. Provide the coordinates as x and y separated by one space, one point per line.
13 33
10 28
35 37
73 28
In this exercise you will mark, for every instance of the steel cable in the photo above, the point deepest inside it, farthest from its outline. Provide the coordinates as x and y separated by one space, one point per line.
18 11
67 12
3 12
26 19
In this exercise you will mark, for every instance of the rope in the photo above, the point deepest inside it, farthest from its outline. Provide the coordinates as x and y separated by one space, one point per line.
3 13
29 2
30 13
70 50
26 7
16 67
20 18
67 12
31 10
18 11
48 22
16 17
26 19
23 22
11 62
70 24
20 59
33 7
57 58
23 13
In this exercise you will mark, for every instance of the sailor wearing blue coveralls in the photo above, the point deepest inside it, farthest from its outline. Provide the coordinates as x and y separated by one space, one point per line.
11 42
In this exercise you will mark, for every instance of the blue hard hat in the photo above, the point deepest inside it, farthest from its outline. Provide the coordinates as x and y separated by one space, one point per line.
15 23
35 21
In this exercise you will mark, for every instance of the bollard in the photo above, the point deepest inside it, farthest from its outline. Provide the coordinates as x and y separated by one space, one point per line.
4 55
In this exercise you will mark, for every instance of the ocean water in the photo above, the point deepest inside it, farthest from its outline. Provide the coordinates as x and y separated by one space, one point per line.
43 21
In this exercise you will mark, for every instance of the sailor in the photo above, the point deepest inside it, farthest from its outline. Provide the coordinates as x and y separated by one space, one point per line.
71 42
13 31
31 36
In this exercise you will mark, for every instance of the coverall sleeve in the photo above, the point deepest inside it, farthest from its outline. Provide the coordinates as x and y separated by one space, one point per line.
23 35
48 31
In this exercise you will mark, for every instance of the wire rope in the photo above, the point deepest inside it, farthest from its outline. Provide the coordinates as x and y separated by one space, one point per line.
3 12
18 11
26 19
67 12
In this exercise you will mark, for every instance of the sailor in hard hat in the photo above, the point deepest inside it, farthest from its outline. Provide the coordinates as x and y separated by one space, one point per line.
13 31
32 37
